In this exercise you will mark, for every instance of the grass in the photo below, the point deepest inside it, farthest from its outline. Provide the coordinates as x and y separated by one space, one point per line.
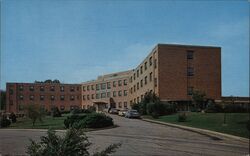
48 122
235 122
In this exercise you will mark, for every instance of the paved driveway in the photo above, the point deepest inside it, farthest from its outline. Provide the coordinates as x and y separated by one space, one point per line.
138 138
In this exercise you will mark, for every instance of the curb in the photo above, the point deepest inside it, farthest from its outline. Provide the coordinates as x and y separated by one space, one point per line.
213 134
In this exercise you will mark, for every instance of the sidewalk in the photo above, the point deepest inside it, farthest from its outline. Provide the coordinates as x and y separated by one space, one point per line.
213 134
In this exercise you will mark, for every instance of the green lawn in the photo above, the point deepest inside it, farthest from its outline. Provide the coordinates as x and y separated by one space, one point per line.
235 122
48 122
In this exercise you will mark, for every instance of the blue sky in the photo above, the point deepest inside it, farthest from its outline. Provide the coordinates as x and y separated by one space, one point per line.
75 41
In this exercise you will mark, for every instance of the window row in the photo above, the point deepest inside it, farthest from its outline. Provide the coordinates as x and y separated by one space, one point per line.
51 97
119 105
138 99
143 82
103 86
105 95
51 88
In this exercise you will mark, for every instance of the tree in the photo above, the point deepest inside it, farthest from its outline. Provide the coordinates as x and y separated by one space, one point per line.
198 98
56 112
34 112
48 81
74 143
3 99
56 81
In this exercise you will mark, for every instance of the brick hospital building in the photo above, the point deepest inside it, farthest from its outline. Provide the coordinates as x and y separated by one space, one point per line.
171 71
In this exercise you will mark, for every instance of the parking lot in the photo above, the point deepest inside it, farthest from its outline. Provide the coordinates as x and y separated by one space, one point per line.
138 138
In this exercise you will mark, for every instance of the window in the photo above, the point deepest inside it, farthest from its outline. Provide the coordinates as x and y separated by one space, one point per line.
21 97
77 88
52 97
120 105
150 61
108 94
108 85
150 76
97 96
145 65
138 99
83 88
131 102
141 83
137 73
134 100
11 91
103 86
31 88
131 79
190 54
114 93
190 90
62 108
120 93
97 86
190 71
146 80
62 97
141 97
21 88
137 85
134 76
103 95
125 82
93 96
131 90
125 104
41 97
87 97
32 97
83 97
92 87
155 63
62 88
72 97
120 83
134 88
141 69
88 87
155 82
52 88
125 93
72 89
114 83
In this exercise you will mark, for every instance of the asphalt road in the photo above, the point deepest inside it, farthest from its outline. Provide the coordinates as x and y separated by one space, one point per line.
138 138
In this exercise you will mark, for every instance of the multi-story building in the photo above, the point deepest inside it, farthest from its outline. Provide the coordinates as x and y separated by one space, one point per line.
46 95
171 71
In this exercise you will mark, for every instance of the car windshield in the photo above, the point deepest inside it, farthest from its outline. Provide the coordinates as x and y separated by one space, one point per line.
134 111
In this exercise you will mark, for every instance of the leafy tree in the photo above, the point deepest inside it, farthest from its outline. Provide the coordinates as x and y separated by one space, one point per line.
4 122
56 112
74 143
56 81
48 81
34 112
13 117
3 99
198 98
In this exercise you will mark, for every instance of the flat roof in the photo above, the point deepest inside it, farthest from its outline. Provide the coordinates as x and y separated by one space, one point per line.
187 45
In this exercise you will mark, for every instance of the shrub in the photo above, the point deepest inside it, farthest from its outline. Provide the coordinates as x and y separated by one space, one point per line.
214 108
4 122
96 120
13 117
56 112
34 112
182 117
74 142
70 120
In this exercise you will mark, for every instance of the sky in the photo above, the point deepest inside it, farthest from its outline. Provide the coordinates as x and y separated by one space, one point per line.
76 41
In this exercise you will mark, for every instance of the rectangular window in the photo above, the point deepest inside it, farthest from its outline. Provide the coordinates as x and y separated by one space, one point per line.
145 65
92 87
125 82
21 88
138 100
83 97
72 97
62 88
134 88
83 88
52 88
150 76
141 97
31 88
72 89
150 61
62 108
41 97
62 97
146 80
120 93
141 69
93 96
190 71
190 54
125 104
42 88
141 83
190 90
103 95
114 93
125 92
32 97
137 85
87 87
120 83
155 63
108 85
52 97
114 83
120 105
131 90
87 97
97 96
108 94
155 82
137 73
134 76
131 79
103 86
21 97
97 86
11 91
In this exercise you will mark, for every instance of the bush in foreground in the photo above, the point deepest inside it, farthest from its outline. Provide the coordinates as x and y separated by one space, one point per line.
182 117
4 122
73 120
74 143
13 117
56 112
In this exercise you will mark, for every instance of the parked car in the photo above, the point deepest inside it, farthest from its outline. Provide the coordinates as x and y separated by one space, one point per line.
132 114
113 111
122 112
